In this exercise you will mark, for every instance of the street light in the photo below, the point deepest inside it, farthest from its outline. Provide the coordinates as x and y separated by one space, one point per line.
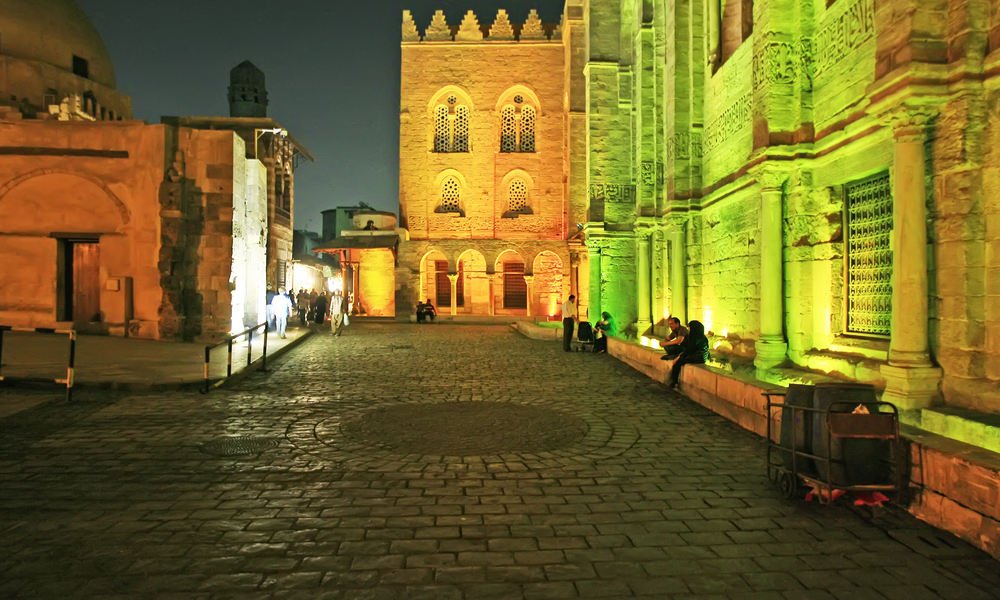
258 133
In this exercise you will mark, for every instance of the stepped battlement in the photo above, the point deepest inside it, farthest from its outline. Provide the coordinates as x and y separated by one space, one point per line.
470 30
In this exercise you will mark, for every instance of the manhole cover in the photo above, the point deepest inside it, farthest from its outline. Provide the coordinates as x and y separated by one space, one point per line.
466 428
240 445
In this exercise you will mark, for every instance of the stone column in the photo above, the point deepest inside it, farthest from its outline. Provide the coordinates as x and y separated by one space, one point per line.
678 271
594 284
659 267
771 346
453 278
493 279
912 381
530 281
644 287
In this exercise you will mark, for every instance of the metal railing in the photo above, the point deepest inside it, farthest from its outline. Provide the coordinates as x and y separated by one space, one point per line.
229 356
70 367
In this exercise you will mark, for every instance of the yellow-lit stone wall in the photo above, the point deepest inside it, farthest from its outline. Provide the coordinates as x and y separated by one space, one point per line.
482 74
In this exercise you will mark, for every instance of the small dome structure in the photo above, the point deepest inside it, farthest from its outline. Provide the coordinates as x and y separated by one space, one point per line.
57 33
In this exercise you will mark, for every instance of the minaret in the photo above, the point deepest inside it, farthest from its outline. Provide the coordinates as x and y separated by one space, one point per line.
247 92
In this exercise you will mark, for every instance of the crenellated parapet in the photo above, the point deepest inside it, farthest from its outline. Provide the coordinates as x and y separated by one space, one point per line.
471 30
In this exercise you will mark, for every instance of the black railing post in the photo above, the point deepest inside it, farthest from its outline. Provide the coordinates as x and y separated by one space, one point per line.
229 360
263 366
249 348
208 357
1 352
71 370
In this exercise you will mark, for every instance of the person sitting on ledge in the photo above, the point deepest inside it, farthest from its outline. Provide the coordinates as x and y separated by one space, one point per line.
420 311
602 329
370 226
428 311
694 352
673 345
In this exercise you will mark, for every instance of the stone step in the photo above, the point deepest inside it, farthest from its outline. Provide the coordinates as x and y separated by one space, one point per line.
975 428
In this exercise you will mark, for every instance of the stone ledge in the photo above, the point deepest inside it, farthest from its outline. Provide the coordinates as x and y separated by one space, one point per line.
957 485
536 332
964 425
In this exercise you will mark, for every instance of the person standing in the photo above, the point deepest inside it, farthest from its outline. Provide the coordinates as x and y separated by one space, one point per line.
320 309
338 308
281 307
302 303
270 312
569 320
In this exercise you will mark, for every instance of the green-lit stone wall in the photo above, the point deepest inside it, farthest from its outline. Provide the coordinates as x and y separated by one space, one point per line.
801 108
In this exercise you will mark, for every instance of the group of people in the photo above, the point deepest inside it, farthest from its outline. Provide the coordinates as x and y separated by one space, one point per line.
425 311
310 306
685 345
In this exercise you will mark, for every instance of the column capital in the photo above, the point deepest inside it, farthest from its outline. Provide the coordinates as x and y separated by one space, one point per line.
771 178
909 123
676 221
453 277
529 279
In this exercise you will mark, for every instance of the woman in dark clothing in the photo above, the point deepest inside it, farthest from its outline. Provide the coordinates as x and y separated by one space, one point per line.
695 351
606 326
319 308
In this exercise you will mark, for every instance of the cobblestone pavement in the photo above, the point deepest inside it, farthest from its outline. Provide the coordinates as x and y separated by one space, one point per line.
440 463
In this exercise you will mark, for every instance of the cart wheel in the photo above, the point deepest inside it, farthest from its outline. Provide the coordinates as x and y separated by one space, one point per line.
787 485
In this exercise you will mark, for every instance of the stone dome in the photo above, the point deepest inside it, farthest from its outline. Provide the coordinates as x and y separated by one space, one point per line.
53 32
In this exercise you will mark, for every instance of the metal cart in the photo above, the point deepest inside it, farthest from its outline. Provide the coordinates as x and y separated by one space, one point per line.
785 465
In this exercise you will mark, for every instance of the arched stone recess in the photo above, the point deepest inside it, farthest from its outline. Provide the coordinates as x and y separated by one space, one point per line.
473 283
26 204
549 272
530 97
502 208
443 196
450 114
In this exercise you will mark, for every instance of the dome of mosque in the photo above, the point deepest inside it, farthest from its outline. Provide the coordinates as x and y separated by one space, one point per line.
55 32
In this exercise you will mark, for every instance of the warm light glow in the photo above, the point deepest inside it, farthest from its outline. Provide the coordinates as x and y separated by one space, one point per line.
377 281
716 346
725 332
655 344
706 318
335 284
645 341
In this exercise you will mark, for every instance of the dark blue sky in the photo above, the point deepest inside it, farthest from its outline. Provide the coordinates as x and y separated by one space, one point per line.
332 75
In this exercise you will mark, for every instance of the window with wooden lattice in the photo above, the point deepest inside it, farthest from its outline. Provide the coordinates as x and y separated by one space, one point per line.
452 122
868 256
527 129
515 288
517 199
451 196
517 126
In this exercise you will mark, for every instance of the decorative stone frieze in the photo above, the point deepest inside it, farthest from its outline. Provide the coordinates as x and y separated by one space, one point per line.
533 30
410 33
501 30
469 30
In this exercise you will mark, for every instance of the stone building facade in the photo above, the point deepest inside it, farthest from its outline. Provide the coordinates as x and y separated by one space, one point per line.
484 169
111 225
812 180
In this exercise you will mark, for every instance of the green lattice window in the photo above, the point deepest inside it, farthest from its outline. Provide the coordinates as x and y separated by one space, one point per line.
869 256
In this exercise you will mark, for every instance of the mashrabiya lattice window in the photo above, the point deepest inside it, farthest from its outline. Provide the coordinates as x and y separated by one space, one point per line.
451 196
517 127
517 198
451 126
869 256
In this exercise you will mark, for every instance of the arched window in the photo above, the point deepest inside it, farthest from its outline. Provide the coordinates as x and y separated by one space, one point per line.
451 196
517 126
442 130
461 129
508 130
451 125
517 198
528 129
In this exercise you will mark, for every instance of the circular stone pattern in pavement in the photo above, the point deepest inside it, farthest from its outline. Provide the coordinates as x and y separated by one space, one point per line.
466 428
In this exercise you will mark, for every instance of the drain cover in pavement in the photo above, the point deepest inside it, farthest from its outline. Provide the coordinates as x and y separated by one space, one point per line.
240 445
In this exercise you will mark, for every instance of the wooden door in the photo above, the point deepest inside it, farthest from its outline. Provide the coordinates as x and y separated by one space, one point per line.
515 288
86 282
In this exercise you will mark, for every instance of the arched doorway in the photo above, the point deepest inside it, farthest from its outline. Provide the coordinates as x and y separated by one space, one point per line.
434 283
512 293
547 289
474 284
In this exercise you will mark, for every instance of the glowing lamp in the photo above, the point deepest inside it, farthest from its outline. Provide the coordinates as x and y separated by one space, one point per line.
717 344
725 332
644 341
335 284
655 344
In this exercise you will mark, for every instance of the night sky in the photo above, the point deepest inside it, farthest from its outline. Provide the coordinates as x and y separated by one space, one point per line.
332 75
